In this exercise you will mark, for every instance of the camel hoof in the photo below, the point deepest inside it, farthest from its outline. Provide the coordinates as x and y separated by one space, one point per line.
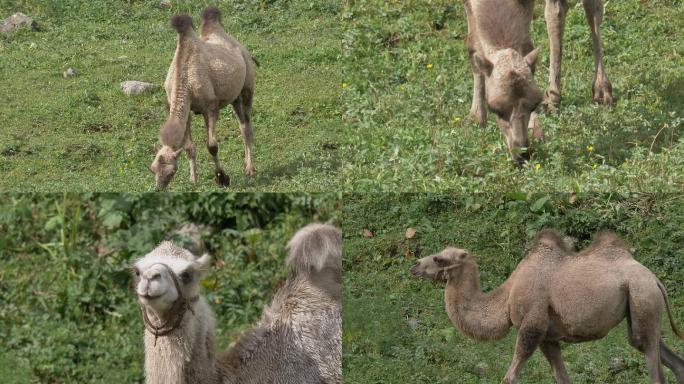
551 100
604 94
222 179
479 118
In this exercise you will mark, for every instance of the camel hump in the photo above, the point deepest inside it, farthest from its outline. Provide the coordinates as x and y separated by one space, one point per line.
182 23
211 14
315 247
609 238
553 239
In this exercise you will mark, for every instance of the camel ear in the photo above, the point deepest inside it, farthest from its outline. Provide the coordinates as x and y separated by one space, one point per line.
204 262
177 153
531 58
482 64
463 256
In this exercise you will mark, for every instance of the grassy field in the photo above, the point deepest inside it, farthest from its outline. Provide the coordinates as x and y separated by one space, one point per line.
83 134
395 327
408 88
68 313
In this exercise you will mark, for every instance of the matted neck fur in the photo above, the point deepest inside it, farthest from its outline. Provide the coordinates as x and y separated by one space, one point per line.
556 294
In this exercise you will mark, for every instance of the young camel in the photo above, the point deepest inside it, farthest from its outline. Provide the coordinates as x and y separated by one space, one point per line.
558 295
503 64
207 73
297 340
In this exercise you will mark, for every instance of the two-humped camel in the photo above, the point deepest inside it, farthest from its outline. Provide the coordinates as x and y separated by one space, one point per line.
297 341
207 73
556 294
503 62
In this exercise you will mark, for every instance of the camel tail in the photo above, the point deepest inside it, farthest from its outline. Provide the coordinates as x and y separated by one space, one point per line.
181 23
676 330
314 248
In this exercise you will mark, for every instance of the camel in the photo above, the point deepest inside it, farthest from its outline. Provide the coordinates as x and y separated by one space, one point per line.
556 294
503 63
296 341
207 73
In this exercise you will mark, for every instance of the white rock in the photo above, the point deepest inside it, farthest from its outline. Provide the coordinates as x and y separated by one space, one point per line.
132 87
17 21
70 72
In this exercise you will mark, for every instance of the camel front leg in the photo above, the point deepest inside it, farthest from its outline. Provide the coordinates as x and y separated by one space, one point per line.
552 351
602 89
478 109
210 118
555 13
529 338
190 149
243 111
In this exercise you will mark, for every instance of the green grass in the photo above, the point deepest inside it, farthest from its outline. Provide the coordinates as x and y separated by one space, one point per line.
84 134
409 129
68 312
395 327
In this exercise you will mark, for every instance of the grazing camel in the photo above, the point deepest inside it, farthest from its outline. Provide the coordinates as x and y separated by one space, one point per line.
207 73
503 62
556 294
297 341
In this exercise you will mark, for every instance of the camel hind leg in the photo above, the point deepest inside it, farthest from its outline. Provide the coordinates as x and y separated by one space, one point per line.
672 361
243 111
602 89
643 325
210 118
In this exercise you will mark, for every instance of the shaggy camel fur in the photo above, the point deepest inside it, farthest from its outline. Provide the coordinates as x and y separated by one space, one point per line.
558 295
503 63
297 340
207 73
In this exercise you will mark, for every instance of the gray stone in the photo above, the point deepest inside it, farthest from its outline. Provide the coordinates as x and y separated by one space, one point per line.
70 72
481 368
132 87
17 21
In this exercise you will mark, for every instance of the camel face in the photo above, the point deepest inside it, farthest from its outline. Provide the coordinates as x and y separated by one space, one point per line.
512 95
164 166
166 274
436 266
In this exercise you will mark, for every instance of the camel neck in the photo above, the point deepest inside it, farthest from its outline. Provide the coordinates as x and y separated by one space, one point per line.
184 355
482 316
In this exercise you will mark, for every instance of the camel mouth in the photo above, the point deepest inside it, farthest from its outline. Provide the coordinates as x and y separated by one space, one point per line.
147 297
415 272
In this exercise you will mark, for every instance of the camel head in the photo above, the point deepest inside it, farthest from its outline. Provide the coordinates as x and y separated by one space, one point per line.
512 95
439 266
167 274
164 166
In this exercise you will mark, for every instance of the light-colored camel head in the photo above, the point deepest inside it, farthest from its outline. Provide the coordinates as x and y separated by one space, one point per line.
160 275
164 166
439 266
512 95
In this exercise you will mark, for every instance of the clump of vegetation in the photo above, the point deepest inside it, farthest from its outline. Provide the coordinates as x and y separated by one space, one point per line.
407 86
68 313
409 337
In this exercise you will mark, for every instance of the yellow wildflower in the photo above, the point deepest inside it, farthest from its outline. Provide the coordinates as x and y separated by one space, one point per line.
429 66
537 166
345 85
590 148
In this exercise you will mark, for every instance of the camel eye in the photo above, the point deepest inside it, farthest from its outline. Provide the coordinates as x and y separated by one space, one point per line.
186 277
440 262
137 272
